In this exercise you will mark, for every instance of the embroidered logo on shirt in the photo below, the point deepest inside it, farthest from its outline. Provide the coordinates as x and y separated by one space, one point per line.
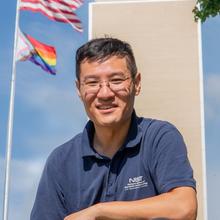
136 183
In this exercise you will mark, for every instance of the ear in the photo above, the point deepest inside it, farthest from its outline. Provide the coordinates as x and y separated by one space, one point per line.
137 84
78 88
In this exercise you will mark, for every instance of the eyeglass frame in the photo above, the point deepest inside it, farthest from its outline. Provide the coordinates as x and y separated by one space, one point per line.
108 83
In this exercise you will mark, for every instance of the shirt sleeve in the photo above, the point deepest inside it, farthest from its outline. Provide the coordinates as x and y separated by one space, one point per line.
169 162
49 202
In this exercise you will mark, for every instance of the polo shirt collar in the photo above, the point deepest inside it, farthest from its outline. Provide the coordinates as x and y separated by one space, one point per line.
134 133
133 138
87 140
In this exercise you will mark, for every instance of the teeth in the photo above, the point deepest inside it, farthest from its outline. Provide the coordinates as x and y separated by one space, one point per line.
105 107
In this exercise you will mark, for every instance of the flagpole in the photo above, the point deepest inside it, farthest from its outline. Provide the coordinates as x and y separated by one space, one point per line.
10 122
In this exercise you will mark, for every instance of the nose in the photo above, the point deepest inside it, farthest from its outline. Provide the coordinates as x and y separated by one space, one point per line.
105 91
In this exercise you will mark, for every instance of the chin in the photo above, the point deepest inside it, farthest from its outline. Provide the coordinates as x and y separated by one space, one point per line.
107 121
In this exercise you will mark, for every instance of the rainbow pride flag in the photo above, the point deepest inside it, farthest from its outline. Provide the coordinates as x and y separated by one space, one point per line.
37 52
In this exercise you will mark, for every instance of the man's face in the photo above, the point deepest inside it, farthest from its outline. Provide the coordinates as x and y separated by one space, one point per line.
107 91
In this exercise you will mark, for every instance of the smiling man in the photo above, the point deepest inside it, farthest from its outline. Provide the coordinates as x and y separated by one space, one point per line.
121 167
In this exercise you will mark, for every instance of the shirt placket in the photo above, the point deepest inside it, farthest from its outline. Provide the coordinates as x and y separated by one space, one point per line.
110 186
111 181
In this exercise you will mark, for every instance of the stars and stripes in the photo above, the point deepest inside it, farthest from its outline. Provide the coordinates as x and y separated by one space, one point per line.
58 10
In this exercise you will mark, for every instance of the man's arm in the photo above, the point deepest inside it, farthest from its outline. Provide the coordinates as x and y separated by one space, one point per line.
178 204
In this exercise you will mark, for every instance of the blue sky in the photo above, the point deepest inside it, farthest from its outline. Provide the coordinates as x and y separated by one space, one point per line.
48 111
211 69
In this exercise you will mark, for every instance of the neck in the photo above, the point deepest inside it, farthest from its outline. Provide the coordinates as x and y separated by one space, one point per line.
107 140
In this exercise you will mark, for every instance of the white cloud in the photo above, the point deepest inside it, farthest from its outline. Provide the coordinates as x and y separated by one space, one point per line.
213 181
25 173
25 176
49 95
56 114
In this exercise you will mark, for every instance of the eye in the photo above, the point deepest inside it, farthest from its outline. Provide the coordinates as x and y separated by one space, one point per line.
92 83
116 81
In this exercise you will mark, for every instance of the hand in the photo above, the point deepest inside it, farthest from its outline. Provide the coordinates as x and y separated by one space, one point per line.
85 214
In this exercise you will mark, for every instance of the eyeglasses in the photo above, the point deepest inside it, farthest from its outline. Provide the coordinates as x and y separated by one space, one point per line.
94 85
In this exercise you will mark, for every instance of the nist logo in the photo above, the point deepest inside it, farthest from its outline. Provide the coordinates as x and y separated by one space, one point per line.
137 179
136 183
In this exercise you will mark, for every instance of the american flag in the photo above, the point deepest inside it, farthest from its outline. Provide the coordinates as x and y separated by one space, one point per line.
58 10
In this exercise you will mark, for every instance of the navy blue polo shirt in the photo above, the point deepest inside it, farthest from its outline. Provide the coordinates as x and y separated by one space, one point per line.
152 160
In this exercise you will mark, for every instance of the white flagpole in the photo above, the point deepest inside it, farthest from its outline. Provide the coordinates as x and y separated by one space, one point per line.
10 122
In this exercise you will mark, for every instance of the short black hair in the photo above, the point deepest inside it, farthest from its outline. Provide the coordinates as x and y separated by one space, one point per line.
101 49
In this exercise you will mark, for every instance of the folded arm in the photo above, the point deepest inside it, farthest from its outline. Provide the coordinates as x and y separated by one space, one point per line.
178 204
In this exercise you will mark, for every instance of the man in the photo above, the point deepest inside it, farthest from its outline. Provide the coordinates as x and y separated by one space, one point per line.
121 166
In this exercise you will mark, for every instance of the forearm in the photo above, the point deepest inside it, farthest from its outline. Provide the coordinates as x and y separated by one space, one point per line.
179 205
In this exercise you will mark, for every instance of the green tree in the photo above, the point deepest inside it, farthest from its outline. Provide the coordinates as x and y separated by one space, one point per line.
206 8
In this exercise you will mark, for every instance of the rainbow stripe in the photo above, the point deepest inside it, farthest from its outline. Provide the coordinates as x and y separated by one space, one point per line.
43 55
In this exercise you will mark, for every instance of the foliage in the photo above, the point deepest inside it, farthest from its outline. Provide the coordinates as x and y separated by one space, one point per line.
206 8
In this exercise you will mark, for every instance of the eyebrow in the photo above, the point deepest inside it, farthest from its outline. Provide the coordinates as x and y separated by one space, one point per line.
118 74
92 76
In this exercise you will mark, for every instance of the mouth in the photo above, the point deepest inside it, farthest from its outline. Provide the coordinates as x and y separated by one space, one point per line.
106 108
